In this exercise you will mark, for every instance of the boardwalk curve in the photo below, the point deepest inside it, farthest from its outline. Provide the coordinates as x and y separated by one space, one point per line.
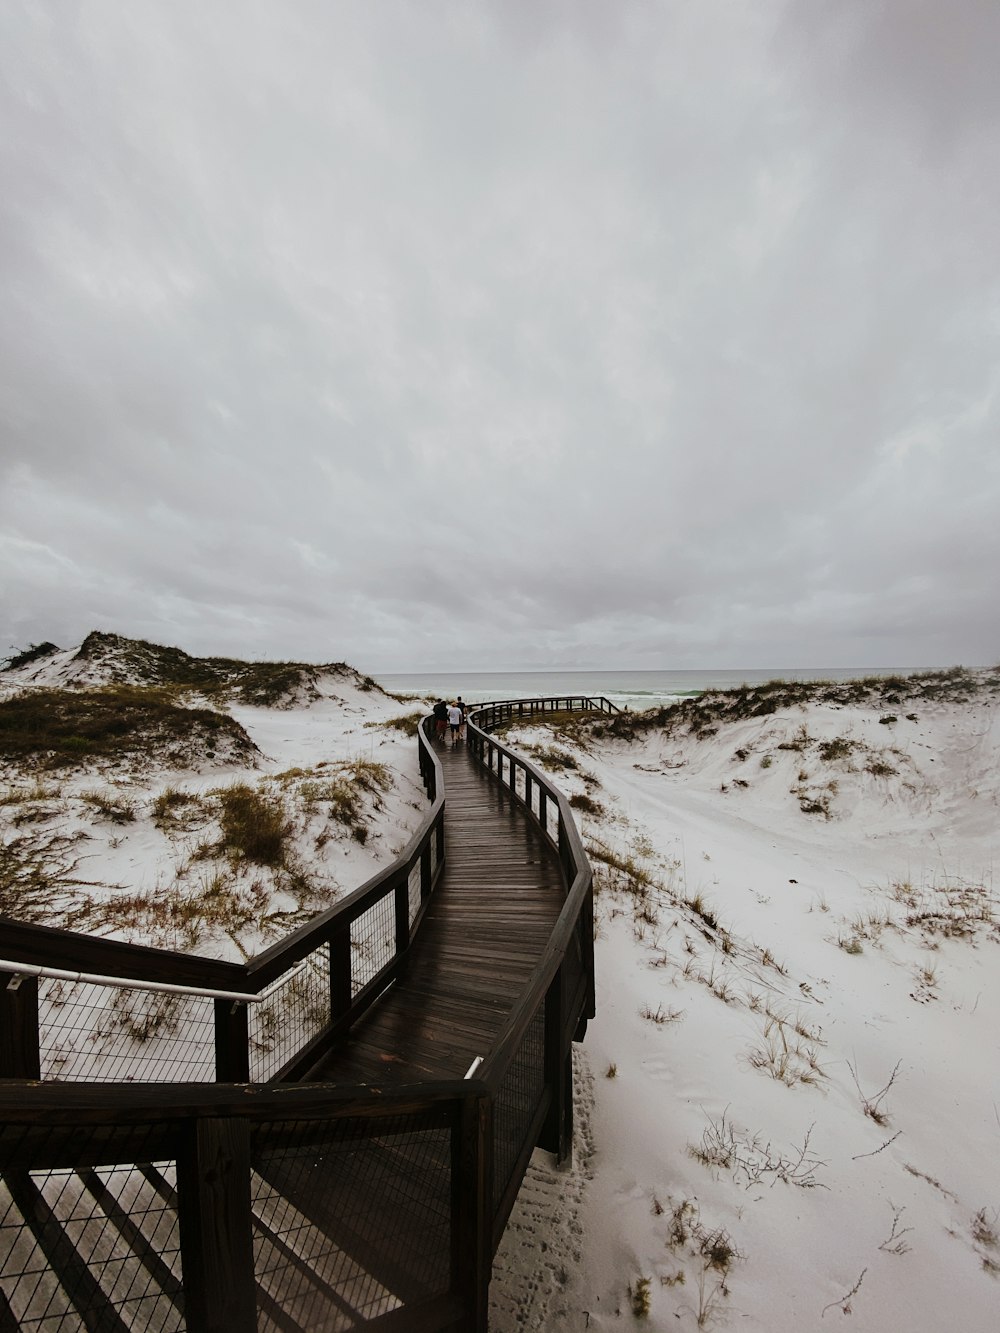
340 1172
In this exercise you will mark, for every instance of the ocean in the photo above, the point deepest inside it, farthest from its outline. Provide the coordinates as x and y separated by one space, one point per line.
628 689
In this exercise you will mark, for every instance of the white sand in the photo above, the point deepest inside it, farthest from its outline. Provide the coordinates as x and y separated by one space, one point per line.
912 1203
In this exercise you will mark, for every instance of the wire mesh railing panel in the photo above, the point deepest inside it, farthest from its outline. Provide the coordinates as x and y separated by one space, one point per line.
291 1014
90 1248
413 891
107 1034
351 1227
373 942
516 1102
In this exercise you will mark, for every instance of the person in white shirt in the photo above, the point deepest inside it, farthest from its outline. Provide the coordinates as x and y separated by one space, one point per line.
454 720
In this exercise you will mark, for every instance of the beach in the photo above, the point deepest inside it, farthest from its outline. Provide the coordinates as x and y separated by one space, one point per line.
788 1104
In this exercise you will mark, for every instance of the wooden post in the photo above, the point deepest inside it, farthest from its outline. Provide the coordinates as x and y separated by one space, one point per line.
232 1042
563 848
340 973
402 909
426 877
556 1135
472 1210
439 834
213 1206
19 1052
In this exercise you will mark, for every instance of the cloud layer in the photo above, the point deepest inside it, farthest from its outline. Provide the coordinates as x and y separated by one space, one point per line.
486 335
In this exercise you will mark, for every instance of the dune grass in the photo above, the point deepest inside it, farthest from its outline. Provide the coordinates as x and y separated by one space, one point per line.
55 728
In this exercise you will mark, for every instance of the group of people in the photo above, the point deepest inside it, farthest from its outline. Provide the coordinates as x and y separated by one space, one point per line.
450 717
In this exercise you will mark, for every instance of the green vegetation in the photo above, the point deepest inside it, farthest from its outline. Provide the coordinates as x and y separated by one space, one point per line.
54 728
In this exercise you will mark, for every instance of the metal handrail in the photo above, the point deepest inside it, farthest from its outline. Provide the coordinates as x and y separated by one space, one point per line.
16 971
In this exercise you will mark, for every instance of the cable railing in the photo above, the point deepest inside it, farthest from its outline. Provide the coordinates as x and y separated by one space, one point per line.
260 1204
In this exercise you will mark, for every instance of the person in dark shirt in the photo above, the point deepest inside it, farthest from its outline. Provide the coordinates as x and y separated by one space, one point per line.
441 717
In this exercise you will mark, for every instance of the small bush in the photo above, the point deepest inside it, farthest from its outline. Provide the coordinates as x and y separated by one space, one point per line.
28 655
407 723
839 748
586 805
108 806
552 758
254 824
641 1298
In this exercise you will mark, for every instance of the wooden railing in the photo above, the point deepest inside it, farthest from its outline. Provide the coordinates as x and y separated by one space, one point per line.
316 983
401 1194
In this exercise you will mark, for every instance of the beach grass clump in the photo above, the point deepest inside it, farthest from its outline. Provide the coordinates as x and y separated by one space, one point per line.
56 728
698 906
220 901
586 805
840 747
553 758
641 1298
110 805
173 809
621 872
949 907
659 1015
343 791
254 824
38 878
407 723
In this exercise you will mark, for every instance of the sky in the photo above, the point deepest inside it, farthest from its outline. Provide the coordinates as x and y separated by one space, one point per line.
501 334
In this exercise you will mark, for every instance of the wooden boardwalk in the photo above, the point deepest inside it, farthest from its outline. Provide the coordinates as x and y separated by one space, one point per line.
487 924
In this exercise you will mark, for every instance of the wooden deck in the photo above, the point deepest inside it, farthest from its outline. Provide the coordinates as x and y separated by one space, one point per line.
488 921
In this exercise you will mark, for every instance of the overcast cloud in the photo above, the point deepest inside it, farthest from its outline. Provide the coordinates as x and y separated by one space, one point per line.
511 334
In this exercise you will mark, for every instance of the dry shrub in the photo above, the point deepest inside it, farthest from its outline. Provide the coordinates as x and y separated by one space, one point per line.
254 824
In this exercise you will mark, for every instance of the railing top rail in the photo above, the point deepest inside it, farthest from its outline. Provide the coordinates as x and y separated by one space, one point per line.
10 968
21 1101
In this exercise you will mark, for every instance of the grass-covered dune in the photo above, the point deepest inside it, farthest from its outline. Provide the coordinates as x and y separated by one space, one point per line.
57 728
112 659
955 685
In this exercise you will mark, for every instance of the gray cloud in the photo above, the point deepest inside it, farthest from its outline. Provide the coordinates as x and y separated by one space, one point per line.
499 335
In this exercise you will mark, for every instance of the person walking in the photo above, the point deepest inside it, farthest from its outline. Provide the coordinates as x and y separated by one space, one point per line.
440 718
455 716
461 705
